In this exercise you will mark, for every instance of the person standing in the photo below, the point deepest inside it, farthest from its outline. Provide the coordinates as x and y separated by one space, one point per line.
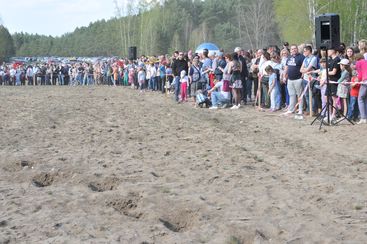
244 73
292 72
178 65
361 67
29 75
334 75
309 64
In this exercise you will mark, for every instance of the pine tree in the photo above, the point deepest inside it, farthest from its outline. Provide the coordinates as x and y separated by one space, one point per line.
7 48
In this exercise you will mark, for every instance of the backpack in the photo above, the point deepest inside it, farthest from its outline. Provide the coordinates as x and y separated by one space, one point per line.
200 98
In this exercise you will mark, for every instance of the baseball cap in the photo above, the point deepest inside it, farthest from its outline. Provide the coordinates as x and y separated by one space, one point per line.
344 61
237 49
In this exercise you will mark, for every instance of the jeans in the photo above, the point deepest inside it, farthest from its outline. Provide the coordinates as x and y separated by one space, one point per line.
353 110
61 79
176 82
86 79
79 78
217 98
265 99
153 83
275 99
307 95
246 91
362 101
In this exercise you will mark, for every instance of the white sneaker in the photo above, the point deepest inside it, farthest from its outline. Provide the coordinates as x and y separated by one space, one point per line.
213 107
362 121
287 113
234 107
239 105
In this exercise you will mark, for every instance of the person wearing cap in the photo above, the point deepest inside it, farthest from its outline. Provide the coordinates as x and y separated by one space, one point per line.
343 88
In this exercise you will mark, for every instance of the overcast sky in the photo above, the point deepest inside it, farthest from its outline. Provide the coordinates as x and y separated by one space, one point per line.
53 17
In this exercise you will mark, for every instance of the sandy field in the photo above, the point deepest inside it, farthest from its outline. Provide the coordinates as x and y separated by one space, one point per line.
111 165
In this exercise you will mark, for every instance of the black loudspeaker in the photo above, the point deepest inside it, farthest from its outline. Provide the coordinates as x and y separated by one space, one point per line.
327 31
132 53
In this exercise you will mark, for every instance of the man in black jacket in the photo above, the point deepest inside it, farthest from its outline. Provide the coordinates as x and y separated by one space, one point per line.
244 74
178 65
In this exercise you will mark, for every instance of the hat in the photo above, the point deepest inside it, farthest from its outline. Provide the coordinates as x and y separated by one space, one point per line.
237 49
183 73
344 61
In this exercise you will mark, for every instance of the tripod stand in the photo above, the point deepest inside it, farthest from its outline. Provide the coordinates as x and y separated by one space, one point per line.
326 109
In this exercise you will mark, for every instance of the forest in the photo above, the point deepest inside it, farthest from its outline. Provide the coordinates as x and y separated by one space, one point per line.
159 27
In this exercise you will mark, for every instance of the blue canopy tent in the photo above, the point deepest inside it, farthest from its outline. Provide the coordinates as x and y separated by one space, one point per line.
212 48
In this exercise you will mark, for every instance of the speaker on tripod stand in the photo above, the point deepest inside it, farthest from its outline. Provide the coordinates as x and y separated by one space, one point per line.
327 34
327 31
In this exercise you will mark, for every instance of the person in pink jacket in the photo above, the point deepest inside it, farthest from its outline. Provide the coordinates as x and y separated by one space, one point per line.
361 67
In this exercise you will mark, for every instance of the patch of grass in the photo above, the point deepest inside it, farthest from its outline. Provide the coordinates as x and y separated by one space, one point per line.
234 240
166 190
258 159
358 207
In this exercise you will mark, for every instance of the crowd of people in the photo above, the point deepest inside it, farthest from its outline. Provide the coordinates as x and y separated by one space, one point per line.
292 79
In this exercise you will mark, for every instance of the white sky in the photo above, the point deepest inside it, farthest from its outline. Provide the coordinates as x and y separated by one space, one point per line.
53 17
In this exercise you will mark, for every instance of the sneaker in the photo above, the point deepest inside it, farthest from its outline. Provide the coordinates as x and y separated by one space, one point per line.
362 121
325 119
234 107
287 113
239 105
213 107
298 116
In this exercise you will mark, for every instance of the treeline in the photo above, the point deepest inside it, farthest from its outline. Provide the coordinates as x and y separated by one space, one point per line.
158 27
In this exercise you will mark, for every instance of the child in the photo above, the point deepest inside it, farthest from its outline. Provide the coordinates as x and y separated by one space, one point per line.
343 89
132 76
322 74
184 84
169 78
273 91
141 77
353 111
